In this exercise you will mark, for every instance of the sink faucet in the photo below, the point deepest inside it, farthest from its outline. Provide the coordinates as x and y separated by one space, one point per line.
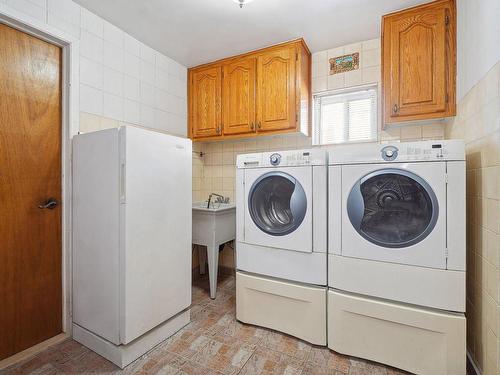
220 199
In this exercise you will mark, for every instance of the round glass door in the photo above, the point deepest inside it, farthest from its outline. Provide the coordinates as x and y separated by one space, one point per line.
277 203
392 208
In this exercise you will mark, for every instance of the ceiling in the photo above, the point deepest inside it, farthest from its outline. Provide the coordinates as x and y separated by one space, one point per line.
199 31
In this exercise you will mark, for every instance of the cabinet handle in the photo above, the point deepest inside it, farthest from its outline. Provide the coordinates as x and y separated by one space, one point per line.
218 130
395 109
258 125
252 126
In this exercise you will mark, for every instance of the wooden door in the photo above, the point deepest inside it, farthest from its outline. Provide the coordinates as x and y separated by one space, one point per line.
30 173
276 82
238 96
415 63
206 102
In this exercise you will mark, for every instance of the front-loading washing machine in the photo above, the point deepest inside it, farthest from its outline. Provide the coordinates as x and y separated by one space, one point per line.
397 254
281 242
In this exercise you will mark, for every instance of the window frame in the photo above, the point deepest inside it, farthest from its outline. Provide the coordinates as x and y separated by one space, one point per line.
348 90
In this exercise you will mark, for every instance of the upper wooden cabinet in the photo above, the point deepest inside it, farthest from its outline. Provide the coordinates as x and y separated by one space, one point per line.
238 96
261 92
206 101
419 62
276 90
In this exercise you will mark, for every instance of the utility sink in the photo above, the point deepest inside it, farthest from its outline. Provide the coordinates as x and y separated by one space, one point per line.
213 227
214 207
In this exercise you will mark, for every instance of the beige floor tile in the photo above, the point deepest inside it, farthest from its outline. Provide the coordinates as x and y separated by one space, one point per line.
213 343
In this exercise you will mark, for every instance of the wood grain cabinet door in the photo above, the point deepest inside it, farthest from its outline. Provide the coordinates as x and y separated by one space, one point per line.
206 102
416 63
276 90
238 96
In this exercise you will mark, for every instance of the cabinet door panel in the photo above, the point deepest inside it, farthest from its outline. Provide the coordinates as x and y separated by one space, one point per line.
276 81
205 102
238 97
417 63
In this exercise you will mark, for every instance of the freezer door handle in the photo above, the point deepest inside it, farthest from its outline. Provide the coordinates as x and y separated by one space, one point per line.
122 182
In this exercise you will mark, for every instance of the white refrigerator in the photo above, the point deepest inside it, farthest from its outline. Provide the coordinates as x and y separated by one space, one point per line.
131 240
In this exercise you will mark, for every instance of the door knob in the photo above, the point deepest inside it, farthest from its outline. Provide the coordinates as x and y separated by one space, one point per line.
50 204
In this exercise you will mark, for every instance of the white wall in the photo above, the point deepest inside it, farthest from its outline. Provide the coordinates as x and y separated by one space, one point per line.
121 79
478 41
478 123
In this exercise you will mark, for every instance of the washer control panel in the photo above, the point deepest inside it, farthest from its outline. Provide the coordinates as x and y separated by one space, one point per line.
389 153
297 158
281 159
275 159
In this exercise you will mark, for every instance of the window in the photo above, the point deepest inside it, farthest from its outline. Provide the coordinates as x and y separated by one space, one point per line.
348 116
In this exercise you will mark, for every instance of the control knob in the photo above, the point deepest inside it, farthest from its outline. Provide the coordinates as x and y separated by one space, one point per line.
275 159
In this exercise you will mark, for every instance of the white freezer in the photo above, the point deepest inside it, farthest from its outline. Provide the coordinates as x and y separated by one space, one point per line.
131 231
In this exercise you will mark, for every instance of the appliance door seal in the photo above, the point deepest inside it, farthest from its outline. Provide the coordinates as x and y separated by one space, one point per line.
278 210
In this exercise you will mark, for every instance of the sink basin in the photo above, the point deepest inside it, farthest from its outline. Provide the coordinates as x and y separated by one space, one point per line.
214 207
213 227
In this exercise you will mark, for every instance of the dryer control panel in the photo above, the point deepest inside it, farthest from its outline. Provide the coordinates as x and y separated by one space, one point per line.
438 150
433 151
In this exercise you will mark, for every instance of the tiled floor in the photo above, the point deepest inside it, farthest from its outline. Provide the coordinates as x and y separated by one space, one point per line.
214 343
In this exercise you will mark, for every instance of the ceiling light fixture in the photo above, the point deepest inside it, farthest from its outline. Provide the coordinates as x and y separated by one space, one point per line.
242 2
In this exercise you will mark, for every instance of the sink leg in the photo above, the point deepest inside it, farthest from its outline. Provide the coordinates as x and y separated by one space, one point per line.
202 259
213 265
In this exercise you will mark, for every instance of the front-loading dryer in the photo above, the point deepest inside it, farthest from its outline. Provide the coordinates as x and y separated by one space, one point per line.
281 241
397 222
397 254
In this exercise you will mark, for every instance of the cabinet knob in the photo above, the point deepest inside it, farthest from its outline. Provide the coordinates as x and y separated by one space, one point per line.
395 109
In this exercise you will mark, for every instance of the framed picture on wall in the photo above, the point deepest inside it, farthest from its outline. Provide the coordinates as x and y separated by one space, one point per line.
344 63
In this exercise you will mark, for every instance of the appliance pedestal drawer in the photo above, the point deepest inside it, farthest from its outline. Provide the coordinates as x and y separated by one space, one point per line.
296 309
421 341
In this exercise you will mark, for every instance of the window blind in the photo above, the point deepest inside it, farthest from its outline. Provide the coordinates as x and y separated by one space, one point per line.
346 117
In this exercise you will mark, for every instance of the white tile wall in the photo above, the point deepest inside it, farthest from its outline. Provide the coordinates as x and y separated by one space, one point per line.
92 23
478 123
131 88
91 99
121 78
368 72
137 84
35 9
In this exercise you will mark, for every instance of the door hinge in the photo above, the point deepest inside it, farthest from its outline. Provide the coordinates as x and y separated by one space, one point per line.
446 20
446 253
446 178
296 56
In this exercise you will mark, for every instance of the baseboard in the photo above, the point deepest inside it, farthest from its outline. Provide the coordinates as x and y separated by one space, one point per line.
472 368
123 355
31 352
